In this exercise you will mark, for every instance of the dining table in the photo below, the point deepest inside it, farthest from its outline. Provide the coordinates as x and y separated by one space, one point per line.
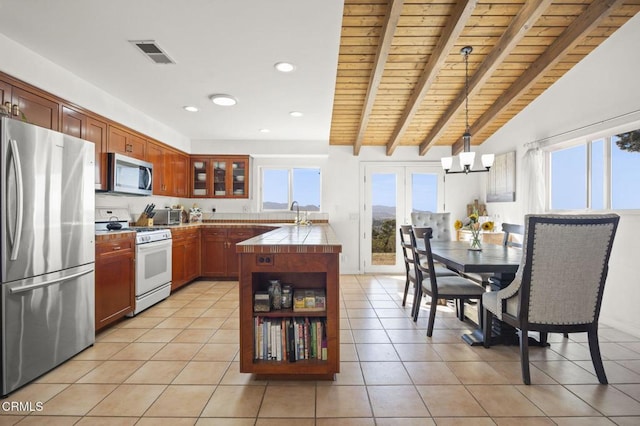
500 261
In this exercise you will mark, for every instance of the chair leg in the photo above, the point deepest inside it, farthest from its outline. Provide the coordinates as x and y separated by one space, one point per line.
406 290
432 315
487 320
596 358
524 356
543 338
417 299
566 335
480 315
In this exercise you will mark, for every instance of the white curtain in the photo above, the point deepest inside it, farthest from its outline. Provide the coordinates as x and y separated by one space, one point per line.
533 165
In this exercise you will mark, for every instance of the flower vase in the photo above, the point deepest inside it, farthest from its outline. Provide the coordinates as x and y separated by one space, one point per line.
476 241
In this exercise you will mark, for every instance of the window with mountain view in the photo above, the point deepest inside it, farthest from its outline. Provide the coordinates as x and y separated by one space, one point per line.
282 186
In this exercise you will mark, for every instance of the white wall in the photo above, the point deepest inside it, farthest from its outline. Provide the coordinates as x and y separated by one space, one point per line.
25 65
582 103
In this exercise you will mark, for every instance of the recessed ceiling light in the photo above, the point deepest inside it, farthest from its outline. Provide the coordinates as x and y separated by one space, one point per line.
223 100
190 108
296 114
264 130
285 67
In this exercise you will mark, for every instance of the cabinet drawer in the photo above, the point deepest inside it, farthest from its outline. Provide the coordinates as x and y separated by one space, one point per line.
114 246
214 233
240 233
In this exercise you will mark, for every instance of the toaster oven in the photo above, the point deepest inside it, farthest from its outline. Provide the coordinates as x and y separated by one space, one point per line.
167 217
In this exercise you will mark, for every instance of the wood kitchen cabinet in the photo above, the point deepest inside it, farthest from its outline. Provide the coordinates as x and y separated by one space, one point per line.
220 176
185 264
126 143
169 170
114 278
219 257
30 106
80 125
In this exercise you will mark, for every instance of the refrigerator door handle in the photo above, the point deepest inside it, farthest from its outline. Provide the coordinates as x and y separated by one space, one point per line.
26 288
17 234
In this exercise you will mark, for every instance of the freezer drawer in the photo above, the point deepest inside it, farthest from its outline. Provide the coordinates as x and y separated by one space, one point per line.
45 321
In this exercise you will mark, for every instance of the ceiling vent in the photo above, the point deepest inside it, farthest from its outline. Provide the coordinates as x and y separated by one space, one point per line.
152 51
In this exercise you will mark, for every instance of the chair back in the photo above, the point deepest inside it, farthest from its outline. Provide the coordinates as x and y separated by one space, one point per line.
511 229
423 269
440 224
564 267
406 245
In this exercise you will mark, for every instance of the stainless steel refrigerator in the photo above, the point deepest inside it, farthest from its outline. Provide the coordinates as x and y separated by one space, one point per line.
47 242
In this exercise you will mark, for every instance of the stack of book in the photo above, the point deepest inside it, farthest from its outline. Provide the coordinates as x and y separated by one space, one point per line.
290 339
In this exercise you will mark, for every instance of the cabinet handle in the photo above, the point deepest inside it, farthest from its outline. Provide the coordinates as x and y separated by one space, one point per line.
15 110
117 248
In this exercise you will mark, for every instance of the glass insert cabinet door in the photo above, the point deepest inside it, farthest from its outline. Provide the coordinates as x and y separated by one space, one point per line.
219 177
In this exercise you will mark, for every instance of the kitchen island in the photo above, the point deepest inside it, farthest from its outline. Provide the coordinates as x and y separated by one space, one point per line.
290 342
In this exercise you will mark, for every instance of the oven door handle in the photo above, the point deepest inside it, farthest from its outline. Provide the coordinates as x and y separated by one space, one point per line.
153 246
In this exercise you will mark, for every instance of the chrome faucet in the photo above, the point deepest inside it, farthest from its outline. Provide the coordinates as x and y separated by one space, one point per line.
297 212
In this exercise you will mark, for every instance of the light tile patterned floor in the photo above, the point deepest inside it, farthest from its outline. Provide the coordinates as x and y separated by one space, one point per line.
176 364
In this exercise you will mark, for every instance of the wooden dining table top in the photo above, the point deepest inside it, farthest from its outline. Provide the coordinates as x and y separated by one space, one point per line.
492 258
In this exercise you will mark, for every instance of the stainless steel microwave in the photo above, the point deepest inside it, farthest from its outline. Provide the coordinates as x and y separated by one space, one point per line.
129 175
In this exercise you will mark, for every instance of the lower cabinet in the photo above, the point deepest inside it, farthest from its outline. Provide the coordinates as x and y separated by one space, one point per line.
185 263
115 278
219 257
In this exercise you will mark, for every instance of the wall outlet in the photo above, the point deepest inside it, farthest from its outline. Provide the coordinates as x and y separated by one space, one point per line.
213 209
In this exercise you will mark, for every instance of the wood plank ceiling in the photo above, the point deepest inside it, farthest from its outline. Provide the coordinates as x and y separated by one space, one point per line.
400 79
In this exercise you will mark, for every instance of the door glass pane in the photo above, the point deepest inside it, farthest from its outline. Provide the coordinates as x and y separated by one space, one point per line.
275 189
569 178
424 192
597 174
383 223
625 170
306 189
219 178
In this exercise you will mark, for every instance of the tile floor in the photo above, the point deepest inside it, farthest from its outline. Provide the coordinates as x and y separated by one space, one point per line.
176 364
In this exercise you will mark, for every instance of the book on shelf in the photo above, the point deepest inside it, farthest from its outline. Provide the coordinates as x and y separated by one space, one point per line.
290 339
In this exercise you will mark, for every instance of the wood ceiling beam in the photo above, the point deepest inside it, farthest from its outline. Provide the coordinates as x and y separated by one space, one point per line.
579 28
384 46
520 25
455 25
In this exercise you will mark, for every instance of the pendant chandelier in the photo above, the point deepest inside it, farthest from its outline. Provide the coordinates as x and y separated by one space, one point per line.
467 156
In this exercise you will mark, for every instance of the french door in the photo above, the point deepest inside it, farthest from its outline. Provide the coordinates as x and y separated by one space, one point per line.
391 193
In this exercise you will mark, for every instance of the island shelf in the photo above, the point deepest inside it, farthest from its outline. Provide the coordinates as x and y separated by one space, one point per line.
305 258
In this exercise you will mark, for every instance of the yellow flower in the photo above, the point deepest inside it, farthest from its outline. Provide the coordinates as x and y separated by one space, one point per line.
487 226
473 217
457 224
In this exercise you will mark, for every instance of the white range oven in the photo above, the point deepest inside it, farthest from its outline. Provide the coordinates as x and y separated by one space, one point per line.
153 267
153 257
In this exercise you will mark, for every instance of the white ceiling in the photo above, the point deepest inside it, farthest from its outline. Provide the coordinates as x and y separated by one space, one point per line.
219 46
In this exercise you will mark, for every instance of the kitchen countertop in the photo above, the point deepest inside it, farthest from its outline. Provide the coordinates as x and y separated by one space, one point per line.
293 239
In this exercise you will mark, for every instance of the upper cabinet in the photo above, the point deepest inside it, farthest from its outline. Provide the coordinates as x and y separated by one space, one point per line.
220 176
80 125
29 106
126 143
169 170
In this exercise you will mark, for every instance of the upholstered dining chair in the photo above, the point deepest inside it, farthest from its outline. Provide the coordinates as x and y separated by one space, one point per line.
440 224
417 234
442 287
509 230
559 284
